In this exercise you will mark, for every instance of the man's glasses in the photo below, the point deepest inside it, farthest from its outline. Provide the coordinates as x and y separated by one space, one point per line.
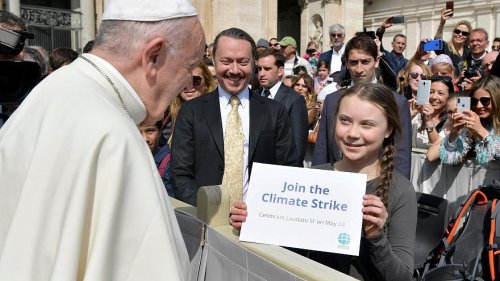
414 75
274 45
485 101
458 32
197 80
339 35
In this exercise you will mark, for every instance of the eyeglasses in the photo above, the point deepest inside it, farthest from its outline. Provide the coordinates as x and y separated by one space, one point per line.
458 32
274 45
197 80
414 75
485 101
339 35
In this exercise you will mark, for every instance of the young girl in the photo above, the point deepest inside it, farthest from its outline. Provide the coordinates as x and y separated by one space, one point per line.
366 123
321 78
476 131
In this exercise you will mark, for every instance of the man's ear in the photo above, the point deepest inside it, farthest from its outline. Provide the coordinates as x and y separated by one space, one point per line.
281 72
151 54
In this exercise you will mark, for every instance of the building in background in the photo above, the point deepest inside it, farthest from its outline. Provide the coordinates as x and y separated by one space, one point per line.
71 23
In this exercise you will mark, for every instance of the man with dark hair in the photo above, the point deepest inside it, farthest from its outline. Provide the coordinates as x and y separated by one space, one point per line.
219 135
11 22
495 46
270 66
361 62
60 57
395 57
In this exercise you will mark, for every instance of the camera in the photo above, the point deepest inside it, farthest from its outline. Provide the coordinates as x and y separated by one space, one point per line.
17 78
472 70
310 51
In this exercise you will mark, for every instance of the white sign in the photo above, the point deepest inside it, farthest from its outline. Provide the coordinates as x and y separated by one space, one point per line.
305 208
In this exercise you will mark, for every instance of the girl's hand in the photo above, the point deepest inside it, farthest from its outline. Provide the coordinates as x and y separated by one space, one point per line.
374 215
238 214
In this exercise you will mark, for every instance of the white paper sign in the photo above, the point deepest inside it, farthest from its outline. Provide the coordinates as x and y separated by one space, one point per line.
305 208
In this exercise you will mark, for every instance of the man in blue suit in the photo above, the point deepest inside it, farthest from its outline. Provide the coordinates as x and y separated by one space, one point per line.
361 62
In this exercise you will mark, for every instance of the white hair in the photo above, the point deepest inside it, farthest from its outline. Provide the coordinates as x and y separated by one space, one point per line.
125 38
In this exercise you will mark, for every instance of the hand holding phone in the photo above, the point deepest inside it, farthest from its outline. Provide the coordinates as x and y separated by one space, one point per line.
398 19
433 45
449 6
423 92
463 103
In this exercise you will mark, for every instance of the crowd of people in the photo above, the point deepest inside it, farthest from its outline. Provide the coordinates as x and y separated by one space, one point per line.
354 108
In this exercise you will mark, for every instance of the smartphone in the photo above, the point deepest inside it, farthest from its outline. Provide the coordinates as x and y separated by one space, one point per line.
423 92
398 19
371 34
463 103
449 6
432 45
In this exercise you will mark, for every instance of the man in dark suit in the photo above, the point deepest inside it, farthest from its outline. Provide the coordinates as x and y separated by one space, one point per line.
198 153
271 69
361 62
334 56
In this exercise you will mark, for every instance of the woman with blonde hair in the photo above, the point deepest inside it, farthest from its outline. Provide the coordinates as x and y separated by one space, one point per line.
203 82
457 48
413 72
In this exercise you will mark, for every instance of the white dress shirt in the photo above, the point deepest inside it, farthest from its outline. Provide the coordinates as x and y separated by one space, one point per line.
273 90
336 62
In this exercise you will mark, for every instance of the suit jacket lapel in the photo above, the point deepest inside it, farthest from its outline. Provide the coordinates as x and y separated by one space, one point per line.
258 115
211 110
280 95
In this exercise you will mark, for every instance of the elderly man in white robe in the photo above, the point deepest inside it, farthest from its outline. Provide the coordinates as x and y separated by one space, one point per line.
80 195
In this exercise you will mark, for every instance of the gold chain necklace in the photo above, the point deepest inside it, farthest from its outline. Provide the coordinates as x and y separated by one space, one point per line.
110 82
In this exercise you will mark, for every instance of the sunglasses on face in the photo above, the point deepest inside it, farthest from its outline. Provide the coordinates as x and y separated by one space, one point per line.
485 101
274 45
463 33
414 75
197 81
339 35
301 85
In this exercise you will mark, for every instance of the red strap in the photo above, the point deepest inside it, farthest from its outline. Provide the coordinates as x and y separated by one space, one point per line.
465 208
491 255
163 165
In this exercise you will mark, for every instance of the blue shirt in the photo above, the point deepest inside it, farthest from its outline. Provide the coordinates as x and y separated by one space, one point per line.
159 156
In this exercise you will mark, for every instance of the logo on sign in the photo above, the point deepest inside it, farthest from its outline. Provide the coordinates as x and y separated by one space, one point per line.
344 239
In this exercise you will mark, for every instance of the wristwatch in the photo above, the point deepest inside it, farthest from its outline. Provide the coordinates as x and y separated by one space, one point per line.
430 128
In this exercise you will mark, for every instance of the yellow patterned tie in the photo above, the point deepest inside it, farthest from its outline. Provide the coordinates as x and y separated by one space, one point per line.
232 180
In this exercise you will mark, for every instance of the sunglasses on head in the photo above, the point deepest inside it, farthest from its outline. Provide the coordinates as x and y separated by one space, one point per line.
414 75
458 32
485 101
445 79
274 45
197 80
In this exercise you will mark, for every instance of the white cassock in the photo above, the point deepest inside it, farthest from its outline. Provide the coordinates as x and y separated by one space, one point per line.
80 195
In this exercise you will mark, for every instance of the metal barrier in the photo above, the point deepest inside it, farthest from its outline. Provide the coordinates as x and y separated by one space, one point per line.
217 254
